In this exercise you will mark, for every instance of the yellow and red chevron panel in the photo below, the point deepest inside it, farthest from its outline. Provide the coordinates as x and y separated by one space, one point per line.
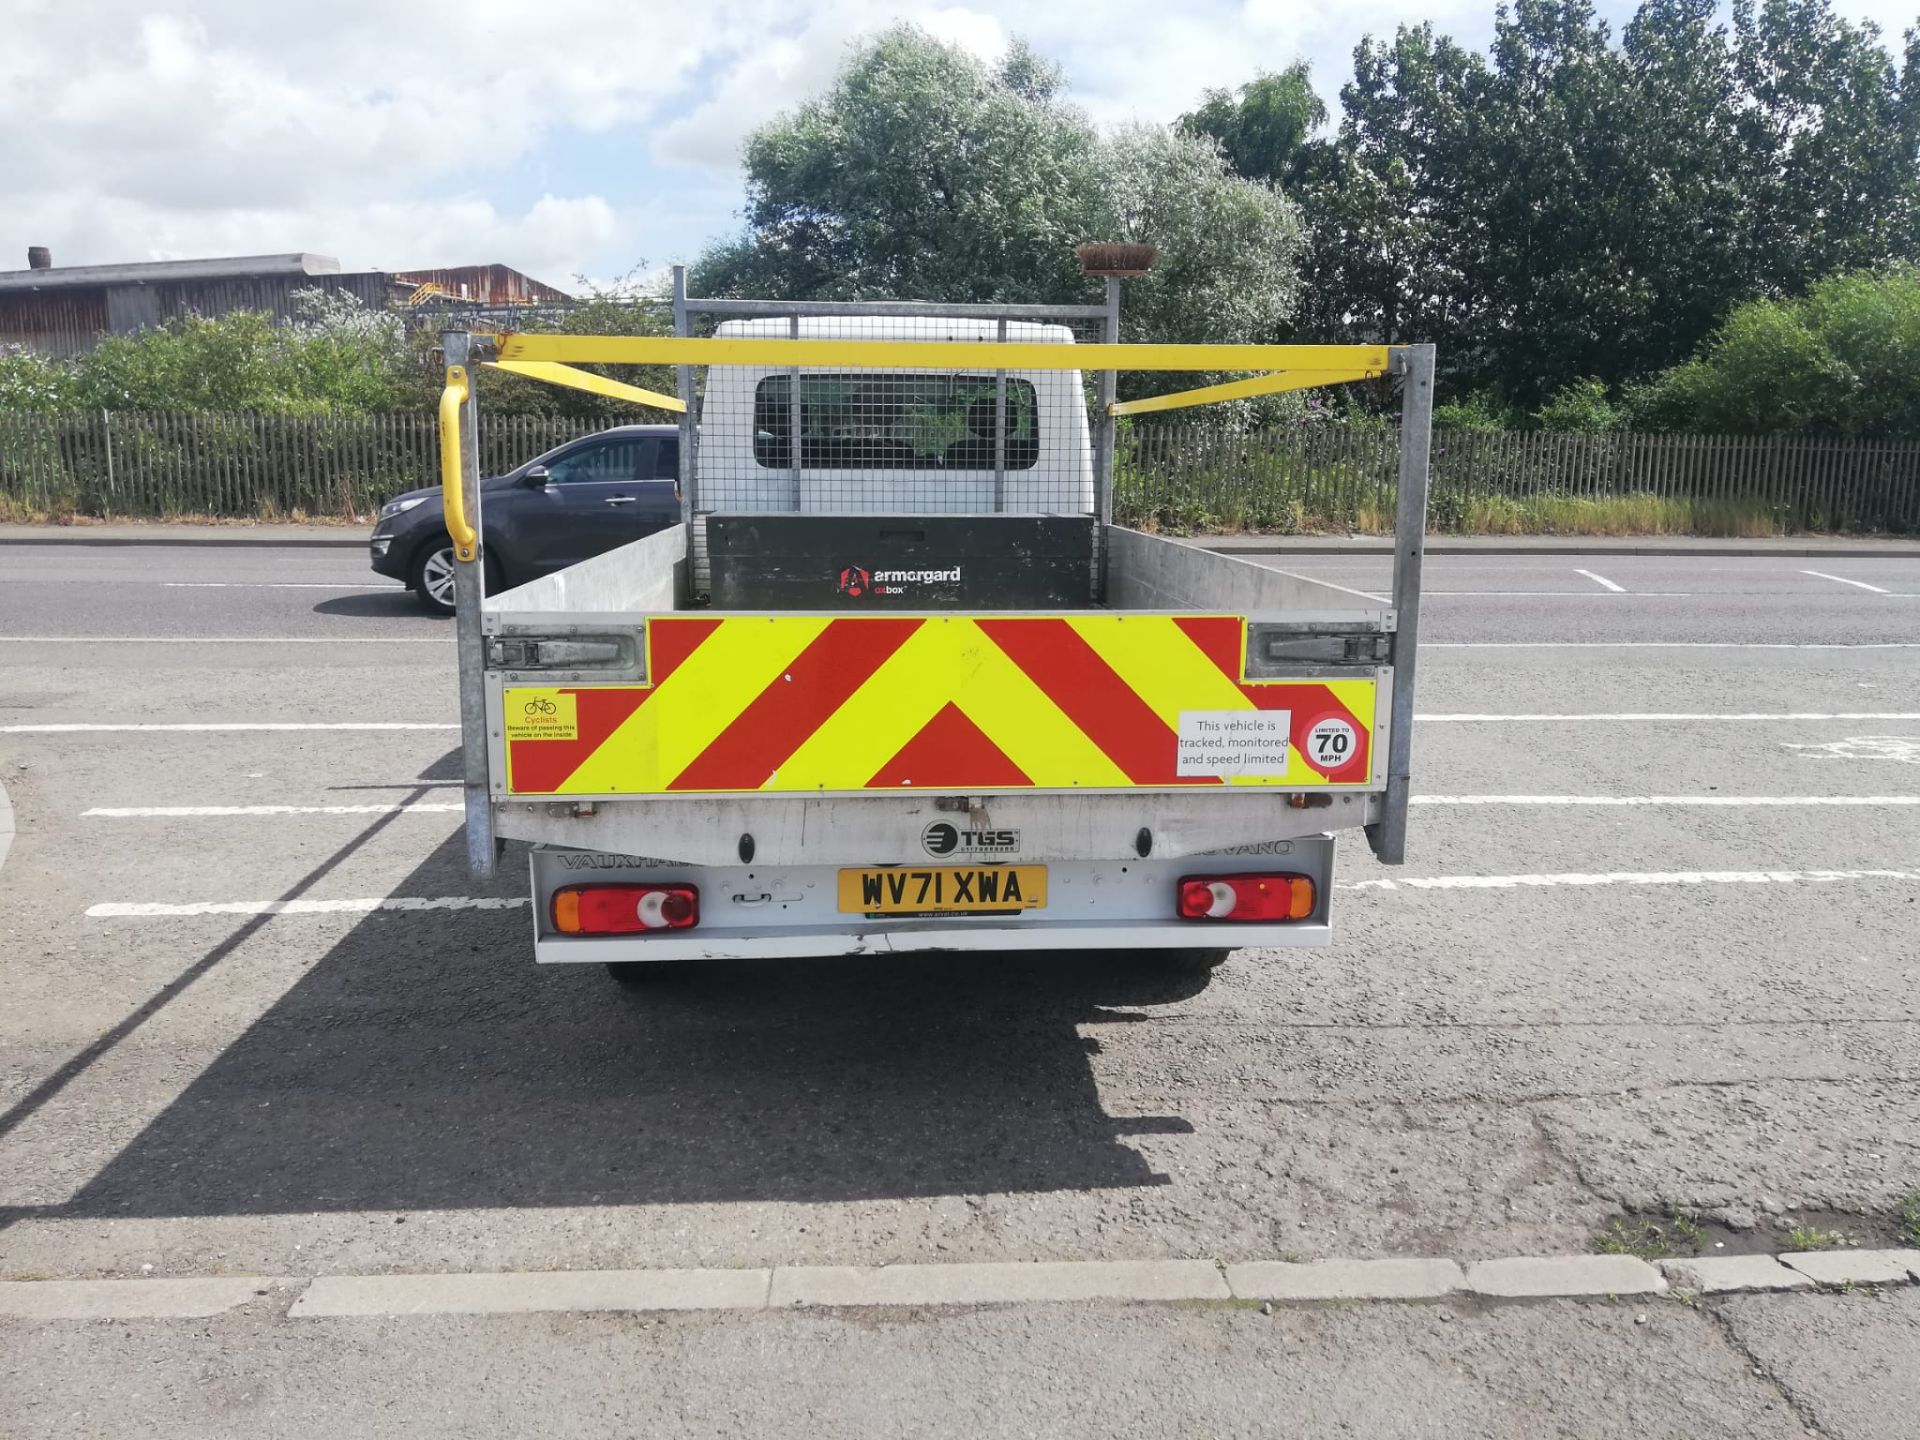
876 703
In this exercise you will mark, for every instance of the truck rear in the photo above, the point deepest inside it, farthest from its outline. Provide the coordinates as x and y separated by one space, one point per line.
899 683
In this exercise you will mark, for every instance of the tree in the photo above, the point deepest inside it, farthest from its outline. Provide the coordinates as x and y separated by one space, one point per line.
924 173
1265 129
921 173
1570 206
1842 360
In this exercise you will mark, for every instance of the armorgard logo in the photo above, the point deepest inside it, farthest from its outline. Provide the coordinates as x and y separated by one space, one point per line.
944 838
857 580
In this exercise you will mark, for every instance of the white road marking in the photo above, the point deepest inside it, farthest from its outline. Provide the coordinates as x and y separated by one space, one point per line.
272 585
1631 877
1670 645
360 906
446 640
1573 594
369 904
1822 575
1903 749
1601 580
85 729
1716 800
170 812
1681 717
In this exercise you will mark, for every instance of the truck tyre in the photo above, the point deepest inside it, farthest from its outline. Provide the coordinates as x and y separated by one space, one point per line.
634 973
1194 962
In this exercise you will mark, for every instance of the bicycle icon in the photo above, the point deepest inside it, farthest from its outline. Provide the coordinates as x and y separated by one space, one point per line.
538 706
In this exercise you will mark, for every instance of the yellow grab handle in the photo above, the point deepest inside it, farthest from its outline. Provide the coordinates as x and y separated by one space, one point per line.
453 495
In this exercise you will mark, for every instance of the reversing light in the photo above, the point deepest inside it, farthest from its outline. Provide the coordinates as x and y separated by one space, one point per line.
625 909
1246 897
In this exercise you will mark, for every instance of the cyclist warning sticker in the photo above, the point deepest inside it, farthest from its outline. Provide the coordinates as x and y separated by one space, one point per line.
541 715
1233 742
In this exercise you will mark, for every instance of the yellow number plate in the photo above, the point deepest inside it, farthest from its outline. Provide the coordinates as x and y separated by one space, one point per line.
942 889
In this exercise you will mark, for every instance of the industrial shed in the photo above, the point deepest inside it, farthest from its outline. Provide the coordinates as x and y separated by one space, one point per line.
65 310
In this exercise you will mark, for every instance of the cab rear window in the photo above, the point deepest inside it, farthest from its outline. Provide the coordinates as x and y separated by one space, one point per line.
893 422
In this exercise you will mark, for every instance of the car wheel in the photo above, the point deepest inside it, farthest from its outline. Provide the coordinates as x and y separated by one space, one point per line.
433 572
433 575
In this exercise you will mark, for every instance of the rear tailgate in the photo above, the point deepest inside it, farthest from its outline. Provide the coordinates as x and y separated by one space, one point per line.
820 704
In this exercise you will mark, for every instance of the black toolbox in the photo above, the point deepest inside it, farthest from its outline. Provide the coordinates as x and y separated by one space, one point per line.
900 562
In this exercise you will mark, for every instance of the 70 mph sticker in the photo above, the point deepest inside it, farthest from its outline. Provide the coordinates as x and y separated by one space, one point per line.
1331 743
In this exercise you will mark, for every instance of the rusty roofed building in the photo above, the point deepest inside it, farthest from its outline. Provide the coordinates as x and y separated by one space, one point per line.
65 311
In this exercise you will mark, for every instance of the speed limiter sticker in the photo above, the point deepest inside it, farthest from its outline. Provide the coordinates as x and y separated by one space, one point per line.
1332 742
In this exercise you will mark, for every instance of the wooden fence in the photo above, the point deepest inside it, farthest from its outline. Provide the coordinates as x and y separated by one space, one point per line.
1182 477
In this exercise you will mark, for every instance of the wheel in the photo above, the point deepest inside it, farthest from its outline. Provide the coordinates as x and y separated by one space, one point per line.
1194 962
432 577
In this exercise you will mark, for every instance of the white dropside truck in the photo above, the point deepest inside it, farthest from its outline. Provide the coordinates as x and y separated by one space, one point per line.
898 682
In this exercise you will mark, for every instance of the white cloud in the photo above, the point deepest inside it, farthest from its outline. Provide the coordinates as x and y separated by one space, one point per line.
194 127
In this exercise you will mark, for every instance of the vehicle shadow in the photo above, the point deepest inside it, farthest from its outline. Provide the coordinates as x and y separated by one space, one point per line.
378 604
426 1062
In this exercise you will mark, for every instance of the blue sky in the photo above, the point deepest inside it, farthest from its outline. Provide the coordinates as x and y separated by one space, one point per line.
575 137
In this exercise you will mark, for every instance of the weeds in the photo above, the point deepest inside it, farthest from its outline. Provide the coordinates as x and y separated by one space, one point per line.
1907 1217
1812 1237
1649 1239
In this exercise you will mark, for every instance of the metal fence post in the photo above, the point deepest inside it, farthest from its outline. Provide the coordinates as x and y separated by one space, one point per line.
469 596
1104 444
689 430
1388 835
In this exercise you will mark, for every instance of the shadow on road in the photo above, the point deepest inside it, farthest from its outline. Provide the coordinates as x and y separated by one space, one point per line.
380 604
426 1062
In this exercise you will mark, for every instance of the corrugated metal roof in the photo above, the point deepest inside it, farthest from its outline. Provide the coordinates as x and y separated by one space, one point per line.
158 271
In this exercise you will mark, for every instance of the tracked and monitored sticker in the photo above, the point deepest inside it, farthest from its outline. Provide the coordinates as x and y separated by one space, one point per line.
1233 742
541 715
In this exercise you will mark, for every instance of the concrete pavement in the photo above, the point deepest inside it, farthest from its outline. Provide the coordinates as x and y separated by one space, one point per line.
1591 991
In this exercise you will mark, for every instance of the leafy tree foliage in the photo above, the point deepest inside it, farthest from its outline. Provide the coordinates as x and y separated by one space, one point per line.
1265 130
1573 205
924 173
1842 360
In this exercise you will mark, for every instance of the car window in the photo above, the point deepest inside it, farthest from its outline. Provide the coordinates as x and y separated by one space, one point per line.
890 422
660 460
608 462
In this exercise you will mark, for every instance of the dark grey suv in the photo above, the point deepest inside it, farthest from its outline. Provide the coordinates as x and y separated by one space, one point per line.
577 500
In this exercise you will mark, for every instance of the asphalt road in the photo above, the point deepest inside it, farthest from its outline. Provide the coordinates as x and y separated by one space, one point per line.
1565 1006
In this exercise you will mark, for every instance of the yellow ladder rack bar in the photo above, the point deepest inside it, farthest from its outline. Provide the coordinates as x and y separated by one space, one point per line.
452 491
1241 390
938 354
549 373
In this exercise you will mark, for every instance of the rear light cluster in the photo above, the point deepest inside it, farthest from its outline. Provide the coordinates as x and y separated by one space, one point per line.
1246 897
625 909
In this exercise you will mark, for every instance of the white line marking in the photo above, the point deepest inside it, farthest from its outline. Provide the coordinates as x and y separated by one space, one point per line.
1733 800
1669 645
1822 575
369 904
360 906
1675 716
1602 580
446 640
168 812
1632 877
271 585
78 729
1574 594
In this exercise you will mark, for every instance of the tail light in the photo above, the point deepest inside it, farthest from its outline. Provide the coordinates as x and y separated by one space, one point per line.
1246 897
625 909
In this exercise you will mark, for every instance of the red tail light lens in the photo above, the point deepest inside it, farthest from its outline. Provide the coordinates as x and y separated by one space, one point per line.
1246 897
625 909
